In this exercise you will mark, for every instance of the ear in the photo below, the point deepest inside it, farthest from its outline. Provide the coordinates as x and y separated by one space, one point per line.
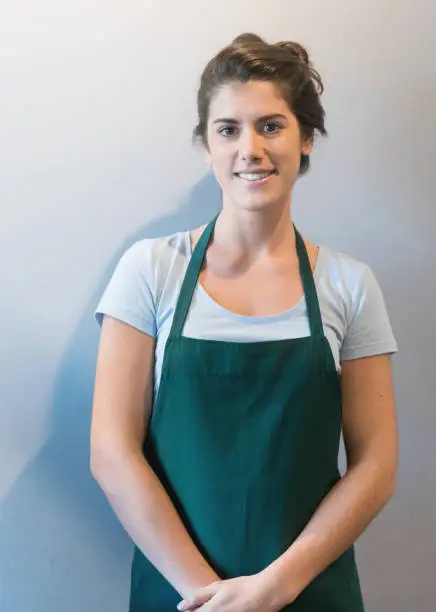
307 146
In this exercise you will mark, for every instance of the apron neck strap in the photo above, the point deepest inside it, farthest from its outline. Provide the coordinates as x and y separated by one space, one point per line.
193 272
310 293
190 280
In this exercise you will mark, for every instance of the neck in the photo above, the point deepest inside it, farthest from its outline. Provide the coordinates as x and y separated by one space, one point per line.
255 232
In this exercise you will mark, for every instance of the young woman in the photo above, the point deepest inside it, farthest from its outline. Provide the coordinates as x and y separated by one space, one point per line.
231 358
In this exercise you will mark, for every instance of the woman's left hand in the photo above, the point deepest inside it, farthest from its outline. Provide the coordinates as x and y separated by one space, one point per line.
244 594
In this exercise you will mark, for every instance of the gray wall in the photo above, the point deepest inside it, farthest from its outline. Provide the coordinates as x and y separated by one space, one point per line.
96 111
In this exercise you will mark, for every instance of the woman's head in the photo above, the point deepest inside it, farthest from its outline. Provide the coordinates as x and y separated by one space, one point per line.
259 109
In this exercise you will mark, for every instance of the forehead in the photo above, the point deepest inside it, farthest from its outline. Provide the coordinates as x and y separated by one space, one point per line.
248 101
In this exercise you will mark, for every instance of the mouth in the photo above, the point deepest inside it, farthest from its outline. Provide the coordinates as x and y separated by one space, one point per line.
256 178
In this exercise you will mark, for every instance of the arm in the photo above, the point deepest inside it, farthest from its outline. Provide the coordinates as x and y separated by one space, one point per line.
121 409
370 436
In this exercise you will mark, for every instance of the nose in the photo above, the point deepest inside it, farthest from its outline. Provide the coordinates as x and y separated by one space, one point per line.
251 145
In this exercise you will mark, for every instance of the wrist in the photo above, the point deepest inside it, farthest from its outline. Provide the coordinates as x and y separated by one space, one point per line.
205 578
281 586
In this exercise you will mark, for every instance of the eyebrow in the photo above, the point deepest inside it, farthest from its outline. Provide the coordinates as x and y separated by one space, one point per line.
261 119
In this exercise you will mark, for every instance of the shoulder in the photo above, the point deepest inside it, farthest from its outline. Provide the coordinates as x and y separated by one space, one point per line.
354 300
159 251
155 257
148 272
348 289
344 275
161 261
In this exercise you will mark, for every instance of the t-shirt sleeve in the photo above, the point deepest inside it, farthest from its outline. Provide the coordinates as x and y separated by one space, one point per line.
129 295
369 330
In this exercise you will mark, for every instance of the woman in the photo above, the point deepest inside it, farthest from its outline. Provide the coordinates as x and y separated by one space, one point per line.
255 352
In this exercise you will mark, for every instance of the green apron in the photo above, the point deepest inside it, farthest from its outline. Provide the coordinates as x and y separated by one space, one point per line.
245 439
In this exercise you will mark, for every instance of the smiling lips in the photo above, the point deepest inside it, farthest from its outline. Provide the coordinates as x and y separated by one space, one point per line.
259 177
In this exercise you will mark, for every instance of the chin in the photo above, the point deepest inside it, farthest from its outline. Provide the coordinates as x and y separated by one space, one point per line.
261 203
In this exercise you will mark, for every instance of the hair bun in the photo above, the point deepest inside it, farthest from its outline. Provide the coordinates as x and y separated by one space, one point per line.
296 49
248 37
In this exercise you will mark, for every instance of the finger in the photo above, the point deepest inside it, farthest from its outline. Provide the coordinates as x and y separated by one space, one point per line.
201 597
194 603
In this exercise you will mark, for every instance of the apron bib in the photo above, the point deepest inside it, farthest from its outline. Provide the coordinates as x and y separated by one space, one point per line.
245 439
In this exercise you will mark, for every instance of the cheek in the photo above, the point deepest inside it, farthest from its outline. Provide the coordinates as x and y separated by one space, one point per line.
221 163
290 160
223 175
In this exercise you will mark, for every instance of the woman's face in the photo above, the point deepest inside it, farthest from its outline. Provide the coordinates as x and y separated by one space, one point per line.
254 145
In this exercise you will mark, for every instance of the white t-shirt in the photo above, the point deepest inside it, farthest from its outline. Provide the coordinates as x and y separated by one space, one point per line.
145 285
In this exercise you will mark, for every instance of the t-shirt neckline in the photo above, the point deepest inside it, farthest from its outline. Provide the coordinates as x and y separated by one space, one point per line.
252 318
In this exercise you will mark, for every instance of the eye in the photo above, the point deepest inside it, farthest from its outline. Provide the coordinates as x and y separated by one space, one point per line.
272 128
227 130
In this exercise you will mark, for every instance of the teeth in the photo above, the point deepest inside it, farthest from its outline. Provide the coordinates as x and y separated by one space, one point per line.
253 176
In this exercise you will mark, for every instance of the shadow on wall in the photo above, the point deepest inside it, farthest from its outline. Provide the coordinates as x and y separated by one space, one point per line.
61 547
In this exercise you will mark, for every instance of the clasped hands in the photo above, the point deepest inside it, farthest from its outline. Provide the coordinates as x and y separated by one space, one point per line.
254 593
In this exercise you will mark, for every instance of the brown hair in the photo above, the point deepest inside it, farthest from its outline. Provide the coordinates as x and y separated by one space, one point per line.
286 64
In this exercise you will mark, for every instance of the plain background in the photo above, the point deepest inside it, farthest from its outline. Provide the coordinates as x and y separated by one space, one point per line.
97 106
